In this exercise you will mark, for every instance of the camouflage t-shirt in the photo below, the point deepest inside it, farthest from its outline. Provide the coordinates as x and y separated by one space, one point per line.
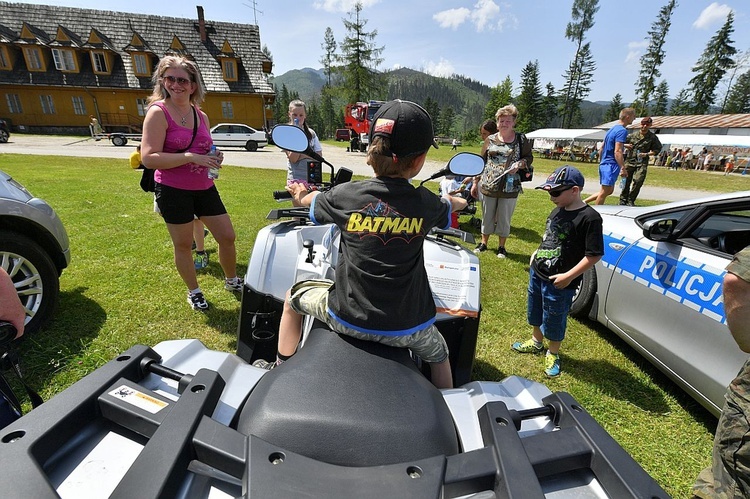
729 474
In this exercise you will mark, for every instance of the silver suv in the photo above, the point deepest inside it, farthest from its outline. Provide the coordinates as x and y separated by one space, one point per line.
34 249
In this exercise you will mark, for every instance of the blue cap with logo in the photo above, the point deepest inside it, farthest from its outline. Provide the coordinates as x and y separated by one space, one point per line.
565 175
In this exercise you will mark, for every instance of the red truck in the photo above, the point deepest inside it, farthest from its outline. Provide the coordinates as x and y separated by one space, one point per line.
358 117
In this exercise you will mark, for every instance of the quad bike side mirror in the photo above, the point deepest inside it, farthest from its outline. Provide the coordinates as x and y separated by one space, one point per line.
466 164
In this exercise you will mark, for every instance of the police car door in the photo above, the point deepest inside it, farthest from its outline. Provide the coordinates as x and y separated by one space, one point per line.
666 295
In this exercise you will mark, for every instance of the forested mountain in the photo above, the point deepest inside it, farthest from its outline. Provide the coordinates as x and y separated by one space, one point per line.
468 98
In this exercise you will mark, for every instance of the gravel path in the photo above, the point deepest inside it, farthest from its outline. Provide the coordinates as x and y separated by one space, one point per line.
269 157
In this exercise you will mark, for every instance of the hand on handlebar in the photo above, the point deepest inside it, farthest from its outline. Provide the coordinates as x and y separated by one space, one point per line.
298 192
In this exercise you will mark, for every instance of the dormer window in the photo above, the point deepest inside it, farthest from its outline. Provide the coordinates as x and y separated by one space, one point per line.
140 65
5 58
33 58
64 59
229 68
99 61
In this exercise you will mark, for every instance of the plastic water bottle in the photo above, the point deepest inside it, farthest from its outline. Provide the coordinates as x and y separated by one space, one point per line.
509 183
213 172
622 182
296 121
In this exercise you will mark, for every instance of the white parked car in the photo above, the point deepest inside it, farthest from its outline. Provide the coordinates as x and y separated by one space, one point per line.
238 135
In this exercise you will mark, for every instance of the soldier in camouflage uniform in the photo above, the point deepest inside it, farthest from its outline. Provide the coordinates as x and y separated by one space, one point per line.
641 146
729 474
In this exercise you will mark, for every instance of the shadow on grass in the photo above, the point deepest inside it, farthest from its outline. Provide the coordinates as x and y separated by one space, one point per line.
699 413
484 371
77 320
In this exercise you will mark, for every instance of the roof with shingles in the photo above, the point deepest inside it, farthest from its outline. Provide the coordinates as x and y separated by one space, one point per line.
116 30
693 121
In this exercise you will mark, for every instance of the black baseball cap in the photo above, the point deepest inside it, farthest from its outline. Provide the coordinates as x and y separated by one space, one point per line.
406 124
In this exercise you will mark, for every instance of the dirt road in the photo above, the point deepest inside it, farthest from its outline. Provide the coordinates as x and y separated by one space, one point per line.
268 157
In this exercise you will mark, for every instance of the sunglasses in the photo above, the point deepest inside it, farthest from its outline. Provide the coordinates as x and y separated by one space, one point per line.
646 122
178 80
556 192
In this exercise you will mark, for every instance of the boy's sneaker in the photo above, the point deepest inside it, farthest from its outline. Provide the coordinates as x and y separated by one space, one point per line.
264 364
234 284
197 301
552 365
481 247
528 346
201 260
501 253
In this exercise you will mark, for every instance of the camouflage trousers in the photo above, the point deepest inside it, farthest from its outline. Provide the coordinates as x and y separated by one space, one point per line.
633 183
729 474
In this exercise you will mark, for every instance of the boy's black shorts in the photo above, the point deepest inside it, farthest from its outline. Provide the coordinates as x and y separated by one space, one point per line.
180 206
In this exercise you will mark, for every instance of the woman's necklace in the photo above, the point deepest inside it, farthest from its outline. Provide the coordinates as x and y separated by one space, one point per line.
183 119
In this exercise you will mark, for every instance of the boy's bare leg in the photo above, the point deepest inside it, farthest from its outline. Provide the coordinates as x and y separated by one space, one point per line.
441 375
290 329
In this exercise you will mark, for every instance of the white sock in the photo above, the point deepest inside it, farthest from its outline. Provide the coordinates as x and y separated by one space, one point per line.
196 290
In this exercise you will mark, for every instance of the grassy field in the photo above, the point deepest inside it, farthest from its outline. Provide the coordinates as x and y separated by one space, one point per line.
121 289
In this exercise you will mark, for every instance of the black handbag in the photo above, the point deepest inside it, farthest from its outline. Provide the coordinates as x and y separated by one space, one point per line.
148 184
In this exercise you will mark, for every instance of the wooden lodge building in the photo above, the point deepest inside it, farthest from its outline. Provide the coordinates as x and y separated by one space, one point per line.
60 66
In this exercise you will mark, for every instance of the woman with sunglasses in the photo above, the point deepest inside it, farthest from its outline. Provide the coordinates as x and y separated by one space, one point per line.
177 144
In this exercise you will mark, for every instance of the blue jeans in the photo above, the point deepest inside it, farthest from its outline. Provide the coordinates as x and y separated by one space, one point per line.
548 307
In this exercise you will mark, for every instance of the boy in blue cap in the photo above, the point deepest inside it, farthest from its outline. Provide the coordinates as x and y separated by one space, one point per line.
572 244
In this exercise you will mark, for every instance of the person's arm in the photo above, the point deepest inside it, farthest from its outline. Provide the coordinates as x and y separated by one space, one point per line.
737 309
620 157
457 202
474 191
300 195
11 309
563 280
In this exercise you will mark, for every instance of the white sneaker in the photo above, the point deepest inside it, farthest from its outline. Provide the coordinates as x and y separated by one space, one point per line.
197 301
234 284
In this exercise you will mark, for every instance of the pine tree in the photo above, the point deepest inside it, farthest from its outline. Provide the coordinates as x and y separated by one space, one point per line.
742 62
500 96
329 55
359 60
661 99
653 58
432 108
529 101
738 99
549 107
613 111
711 67
582 66
681 105
446 121
578 79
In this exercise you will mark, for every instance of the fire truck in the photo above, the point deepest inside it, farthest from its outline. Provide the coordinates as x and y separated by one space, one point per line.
358 117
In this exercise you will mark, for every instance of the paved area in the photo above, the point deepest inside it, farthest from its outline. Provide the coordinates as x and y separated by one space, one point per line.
269 157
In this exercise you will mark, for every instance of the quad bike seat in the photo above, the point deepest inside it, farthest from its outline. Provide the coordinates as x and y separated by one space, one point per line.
350 402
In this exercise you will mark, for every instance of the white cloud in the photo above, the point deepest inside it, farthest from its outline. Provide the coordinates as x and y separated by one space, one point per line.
442 68
342 5
711 15
485 15
452 18
635 49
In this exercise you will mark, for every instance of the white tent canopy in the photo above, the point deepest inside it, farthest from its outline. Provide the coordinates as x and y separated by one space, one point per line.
701 140
567 134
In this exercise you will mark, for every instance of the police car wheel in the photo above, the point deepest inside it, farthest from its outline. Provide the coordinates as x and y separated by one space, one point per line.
584 297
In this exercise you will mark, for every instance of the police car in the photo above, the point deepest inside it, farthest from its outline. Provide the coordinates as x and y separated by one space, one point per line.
659 287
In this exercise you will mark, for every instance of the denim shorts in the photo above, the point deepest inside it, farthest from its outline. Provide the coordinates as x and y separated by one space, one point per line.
311 298
609 173
548 307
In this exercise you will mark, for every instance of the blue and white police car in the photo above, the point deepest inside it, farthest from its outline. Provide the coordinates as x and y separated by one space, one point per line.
659 287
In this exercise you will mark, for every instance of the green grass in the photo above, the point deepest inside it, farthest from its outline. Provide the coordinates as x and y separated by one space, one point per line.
121 289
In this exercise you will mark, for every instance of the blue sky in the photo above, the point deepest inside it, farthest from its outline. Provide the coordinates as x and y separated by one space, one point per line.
483 39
